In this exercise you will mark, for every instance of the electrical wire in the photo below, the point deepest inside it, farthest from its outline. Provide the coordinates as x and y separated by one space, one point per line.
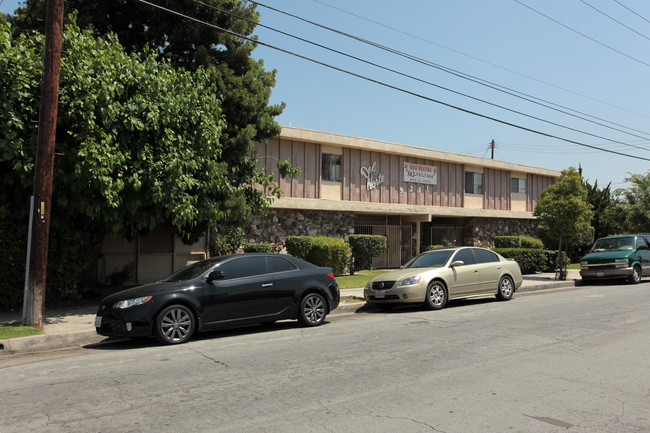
546 83
459 74
390 86
582 34
614 19
638 15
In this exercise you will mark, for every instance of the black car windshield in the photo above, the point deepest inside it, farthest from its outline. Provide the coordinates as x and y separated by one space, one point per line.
610 244
433 259
193 270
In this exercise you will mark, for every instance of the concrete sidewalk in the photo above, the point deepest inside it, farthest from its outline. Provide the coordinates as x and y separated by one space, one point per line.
75 326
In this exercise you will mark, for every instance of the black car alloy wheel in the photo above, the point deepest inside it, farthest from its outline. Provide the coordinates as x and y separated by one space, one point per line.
313 310
174 325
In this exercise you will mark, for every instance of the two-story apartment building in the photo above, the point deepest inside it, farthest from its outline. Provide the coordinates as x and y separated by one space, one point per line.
414 196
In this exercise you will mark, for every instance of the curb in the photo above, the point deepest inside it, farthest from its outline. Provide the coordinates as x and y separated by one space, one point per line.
82 338
48 341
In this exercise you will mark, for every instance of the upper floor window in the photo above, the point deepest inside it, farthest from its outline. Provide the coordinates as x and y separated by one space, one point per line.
473 183
331 168
518 186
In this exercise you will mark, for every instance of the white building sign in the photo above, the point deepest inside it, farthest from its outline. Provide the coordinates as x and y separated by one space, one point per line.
419 173
372 180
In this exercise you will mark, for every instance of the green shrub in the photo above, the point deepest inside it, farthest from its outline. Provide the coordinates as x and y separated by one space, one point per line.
257 248
551 260
433 247
330 252
507 242
530 260
364 249
226 243
298 246
531 242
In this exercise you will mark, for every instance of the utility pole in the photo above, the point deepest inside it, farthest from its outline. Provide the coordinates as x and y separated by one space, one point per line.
44 167
492 147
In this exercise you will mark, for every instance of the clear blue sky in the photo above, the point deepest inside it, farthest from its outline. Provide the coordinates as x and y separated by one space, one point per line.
500 41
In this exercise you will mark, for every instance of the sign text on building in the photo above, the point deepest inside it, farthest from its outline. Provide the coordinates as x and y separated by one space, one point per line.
419 173
372 181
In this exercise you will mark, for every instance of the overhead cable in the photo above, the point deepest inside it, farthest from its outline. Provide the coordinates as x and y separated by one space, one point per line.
546 83
582 34
459 74
390 86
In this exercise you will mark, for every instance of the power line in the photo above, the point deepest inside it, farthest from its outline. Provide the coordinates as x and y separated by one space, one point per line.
459 74
582 34
390 86
615 20
546 83
638 15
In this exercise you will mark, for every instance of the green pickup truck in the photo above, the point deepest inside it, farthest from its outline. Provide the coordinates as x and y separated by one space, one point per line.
617 257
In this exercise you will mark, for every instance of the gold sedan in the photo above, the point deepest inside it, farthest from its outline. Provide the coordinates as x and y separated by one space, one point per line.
434 277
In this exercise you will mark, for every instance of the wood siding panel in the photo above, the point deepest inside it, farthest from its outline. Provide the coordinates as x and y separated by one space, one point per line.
298 160
311 170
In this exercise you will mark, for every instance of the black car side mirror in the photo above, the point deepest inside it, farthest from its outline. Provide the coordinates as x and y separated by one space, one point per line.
214 275
642 247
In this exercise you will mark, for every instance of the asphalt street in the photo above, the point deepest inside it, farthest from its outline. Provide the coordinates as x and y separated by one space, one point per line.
564 360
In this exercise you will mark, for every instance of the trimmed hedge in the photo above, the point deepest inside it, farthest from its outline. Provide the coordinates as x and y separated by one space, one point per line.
321 251
257 248
330 252
298 246
364 249
518 242
531 242
531 260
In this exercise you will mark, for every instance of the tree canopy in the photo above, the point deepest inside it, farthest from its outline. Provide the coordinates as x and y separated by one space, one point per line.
138 146
563 212
241 81
635 202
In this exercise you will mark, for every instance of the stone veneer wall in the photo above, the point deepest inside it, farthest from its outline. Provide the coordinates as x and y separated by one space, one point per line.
480 232
280 223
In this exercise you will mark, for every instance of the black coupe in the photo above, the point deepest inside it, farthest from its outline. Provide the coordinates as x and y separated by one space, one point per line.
219 292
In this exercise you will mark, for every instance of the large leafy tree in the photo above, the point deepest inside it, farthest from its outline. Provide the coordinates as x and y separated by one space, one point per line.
241 81
563 212
138 146
634 202
602 201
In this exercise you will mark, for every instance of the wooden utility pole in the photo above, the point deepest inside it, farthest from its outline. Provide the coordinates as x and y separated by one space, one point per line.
492 147
44 168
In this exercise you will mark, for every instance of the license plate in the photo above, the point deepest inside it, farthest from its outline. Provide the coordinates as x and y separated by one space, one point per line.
98 321
600 274
380 294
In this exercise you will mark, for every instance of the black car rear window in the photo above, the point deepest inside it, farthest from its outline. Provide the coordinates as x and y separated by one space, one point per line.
243 267
278 264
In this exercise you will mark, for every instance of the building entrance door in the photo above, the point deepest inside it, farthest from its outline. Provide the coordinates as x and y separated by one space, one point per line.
399 239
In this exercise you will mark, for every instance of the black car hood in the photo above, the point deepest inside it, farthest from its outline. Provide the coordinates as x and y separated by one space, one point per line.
146 290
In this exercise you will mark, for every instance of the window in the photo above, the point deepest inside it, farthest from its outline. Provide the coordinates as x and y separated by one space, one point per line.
278 264
473 183
485 256
518 186
466 256
243 267
331 169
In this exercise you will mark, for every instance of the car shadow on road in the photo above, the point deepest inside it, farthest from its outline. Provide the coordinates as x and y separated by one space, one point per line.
113 343
405 307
